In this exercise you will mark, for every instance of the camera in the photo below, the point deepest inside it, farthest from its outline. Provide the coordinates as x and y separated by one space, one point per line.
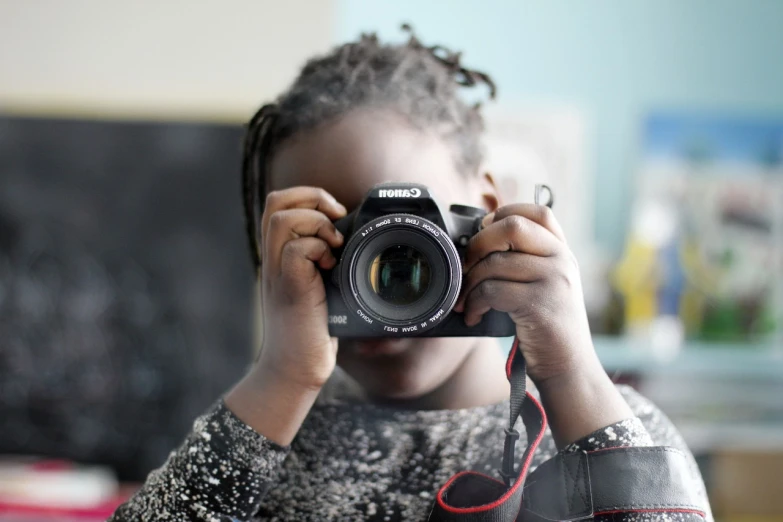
400 269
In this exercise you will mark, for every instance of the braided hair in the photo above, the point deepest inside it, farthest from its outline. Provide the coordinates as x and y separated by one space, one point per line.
417 81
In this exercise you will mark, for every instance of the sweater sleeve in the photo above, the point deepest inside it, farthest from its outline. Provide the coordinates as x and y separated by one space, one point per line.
626 433
649 427
221 472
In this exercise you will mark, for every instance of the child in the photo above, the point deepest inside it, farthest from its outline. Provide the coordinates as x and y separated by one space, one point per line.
297 439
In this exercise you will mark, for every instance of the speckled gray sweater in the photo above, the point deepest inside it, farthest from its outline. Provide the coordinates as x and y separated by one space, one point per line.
357 461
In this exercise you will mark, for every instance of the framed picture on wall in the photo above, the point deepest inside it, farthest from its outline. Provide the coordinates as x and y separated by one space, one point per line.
721 179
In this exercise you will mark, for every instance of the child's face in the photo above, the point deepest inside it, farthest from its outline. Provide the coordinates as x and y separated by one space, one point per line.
347 158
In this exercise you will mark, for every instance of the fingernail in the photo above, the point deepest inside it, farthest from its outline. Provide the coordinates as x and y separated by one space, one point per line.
338 234
488 219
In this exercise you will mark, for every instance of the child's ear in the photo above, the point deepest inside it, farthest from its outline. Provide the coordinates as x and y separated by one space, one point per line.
490 195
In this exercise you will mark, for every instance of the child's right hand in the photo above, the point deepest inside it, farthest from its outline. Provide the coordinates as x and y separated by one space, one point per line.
297 354
297 238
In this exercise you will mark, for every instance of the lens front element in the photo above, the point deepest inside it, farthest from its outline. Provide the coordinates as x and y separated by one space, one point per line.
399 275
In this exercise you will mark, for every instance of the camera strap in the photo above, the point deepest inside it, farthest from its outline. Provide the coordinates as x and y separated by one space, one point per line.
570 486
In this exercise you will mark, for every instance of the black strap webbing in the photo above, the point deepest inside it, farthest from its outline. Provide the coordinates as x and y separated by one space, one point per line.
581 485
570 486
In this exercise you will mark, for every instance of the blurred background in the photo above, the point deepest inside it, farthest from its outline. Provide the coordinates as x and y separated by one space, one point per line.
125 286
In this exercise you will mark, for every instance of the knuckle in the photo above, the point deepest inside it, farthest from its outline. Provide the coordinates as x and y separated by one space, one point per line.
320 228
566 279
277 219
515 225
290 254
566 274
493 263
321 193
323 222
297 271
486 290
494 260
273 197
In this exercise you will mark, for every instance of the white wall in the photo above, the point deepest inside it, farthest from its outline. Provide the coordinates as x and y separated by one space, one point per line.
217 59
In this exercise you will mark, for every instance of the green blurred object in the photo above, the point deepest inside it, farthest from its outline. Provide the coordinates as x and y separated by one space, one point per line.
722 322
733 321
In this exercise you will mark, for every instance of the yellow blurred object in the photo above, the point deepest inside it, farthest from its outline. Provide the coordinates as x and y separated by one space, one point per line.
636 278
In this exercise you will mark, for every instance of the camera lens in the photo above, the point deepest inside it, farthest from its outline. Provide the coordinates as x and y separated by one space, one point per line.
399 275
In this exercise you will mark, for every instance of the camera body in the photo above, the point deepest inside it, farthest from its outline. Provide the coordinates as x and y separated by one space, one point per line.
400 269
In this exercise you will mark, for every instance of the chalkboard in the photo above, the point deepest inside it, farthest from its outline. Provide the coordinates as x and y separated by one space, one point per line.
125 285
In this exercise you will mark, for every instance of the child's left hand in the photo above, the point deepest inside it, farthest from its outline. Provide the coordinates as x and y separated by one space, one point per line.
519 263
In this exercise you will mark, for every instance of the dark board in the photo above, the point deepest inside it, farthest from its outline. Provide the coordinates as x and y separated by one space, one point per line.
125 285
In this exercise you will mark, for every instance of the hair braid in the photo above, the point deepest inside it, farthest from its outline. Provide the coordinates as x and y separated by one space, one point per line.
256 149
417 81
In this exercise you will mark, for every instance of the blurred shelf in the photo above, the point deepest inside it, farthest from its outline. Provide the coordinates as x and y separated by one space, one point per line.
693 358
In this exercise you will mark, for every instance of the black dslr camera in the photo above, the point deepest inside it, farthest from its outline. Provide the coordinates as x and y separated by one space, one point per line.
400 269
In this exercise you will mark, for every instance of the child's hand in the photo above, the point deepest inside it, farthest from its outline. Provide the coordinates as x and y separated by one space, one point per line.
297 356
520 264
297 238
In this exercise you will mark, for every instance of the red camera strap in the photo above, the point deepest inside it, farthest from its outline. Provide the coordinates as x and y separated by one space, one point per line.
569 486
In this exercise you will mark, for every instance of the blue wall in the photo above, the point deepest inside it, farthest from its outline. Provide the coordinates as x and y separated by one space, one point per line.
614 59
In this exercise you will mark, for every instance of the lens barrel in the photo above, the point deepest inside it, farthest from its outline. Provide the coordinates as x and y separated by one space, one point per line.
400 273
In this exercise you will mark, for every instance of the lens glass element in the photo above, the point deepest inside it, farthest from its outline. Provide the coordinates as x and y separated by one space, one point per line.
399 275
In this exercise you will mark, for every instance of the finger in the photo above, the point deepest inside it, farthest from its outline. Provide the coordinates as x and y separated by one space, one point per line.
299 256
505 266
300 197
301 259
286 225
540 214
512 233
494 294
